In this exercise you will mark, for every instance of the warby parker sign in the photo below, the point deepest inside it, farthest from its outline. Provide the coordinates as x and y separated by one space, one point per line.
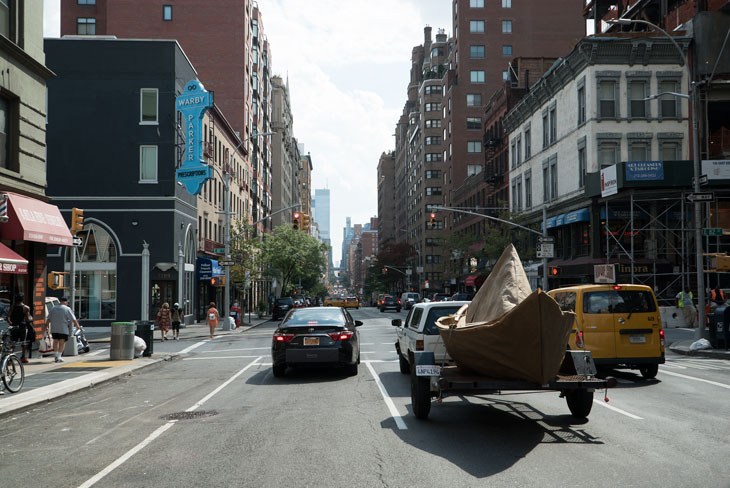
193 103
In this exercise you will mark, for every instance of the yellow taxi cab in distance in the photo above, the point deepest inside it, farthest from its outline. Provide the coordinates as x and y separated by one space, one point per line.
619 324
351 302
381 298
334 302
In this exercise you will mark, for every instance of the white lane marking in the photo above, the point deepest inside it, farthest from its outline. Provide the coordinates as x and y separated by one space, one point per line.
671 365
715 383
208 358
367 344
238 349
622 412
157 433
391 406
190 348
387 343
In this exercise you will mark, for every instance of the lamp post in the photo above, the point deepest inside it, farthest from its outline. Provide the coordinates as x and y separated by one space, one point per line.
694 107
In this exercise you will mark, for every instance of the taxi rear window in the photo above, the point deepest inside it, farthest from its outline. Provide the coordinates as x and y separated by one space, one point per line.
618 301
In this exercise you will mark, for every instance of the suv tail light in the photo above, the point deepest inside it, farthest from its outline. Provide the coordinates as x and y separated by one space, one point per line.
579 339
283 337
399 301
661 338
419 345
341 335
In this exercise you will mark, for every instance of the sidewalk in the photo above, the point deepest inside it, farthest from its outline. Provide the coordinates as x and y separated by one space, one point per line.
682 347
46 380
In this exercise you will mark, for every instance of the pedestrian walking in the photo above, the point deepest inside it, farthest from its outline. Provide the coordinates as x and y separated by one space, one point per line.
236 313
177 315
164 318
58 324
212 318
22 320
686 305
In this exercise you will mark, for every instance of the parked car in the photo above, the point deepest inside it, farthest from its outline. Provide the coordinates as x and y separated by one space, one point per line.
619 324
419 332
351 302
410 298
390 303
316 337
281 307
457 297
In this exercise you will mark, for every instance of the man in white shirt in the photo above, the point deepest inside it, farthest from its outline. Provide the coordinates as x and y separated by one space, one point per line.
59 323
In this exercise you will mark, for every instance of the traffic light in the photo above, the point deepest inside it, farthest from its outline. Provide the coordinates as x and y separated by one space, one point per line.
296 221
305 222
433 220
77 220
554 270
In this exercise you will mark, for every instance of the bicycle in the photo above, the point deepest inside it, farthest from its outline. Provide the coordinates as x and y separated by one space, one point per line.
11 369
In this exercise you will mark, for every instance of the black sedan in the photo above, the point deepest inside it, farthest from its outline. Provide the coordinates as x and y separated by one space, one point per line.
315 337
281 307
391 303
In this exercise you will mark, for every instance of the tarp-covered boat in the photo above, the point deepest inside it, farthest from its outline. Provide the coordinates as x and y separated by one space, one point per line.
508 331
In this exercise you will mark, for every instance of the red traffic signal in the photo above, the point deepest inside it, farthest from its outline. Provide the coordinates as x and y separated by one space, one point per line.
554 270
433 219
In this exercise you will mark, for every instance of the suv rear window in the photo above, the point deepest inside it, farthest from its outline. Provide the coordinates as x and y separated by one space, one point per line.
619 301
433 315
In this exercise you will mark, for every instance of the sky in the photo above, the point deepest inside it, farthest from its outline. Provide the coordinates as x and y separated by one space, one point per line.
348 65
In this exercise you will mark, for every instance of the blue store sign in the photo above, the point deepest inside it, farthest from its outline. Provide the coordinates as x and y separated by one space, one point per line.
208 268
645 171
193 103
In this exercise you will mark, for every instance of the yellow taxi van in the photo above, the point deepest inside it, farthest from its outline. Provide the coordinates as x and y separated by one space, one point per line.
619 324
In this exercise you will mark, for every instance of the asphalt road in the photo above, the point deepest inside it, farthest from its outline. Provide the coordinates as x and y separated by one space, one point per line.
217 417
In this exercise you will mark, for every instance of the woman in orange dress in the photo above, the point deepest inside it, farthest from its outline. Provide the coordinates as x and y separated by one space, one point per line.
163 320
212 318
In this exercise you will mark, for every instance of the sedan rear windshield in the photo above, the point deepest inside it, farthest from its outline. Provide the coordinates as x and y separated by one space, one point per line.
434 314
284 301
315 316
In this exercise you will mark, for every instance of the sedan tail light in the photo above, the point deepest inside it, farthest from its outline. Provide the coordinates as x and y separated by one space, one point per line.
283 337
341 335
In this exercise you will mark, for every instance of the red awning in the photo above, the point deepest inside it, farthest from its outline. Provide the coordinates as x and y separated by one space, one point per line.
474 280
32 220
12 262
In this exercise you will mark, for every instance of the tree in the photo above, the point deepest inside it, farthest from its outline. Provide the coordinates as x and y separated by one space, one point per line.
292 255
245 250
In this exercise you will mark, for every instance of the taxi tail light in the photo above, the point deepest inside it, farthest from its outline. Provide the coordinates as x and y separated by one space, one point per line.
283 337
579 339
419 345
661 338
342 335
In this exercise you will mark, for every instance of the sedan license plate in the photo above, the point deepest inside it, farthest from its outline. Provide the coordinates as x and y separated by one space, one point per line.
637 339
427 370
311 341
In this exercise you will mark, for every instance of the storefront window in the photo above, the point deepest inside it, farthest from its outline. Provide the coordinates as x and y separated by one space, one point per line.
96 268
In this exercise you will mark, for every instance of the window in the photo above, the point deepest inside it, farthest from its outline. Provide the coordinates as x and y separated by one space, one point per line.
528 142
519 150
432 90
473 169
148 164
669 149
553 178
582 167
581 105
528 189
437 51
433 190
433 157
597 302
566 300
476 26
476 76
637 102
553 124
513 154
476 3
167 12
506 50
607 99
545 182
433 123
433 259
6 132
431 107
433 173
507 26
669 105
473 123
85 2
476 51
473 100
545 130
85 26
638 151
607 153
505 75
96 278
506 3
148 106
474 147
5 16
432 140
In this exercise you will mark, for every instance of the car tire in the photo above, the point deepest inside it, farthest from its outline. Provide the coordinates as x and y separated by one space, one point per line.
397 310
649 372
420 395
278 370
580 403
352 369
382 310
405 368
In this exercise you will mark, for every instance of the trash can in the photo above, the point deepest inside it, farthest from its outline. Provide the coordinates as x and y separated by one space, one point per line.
715 322
146 331
122 341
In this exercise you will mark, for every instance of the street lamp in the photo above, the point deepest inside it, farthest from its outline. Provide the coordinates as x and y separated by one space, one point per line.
694 107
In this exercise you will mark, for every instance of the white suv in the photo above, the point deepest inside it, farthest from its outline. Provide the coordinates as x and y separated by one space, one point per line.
419 332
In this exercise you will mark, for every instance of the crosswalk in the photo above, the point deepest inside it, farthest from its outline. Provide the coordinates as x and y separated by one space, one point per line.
697 363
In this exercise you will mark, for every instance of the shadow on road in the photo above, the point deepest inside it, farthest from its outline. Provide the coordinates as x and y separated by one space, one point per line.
298 376
637 381
486 439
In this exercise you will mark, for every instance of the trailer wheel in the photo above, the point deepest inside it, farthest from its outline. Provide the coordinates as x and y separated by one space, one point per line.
403 362
650 371
579 402
420 395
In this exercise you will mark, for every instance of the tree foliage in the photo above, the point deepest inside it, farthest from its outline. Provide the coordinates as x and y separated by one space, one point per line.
291 255
245 250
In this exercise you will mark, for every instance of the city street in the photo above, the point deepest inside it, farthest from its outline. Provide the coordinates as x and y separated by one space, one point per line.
217 417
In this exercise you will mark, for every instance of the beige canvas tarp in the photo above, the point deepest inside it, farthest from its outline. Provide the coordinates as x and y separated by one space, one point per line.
509 332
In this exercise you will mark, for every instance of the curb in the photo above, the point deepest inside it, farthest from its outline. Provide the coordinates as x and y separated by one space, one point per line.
712 353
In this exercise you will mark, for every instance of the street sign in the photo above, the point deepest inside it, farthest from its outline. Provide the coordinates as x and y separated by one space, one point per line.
712 231
701 197
703 180
219 250
409 271
546 250
227 263
546 239
78 241
604 273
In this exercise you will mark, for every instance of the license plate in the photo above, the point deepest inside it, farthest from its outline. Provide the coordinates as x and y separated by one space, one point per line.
427 370
311 341
637 339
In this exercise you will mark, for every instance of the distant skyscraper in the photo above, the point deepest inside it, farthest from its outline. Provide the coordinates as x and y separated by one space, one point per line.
347 233
321 208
